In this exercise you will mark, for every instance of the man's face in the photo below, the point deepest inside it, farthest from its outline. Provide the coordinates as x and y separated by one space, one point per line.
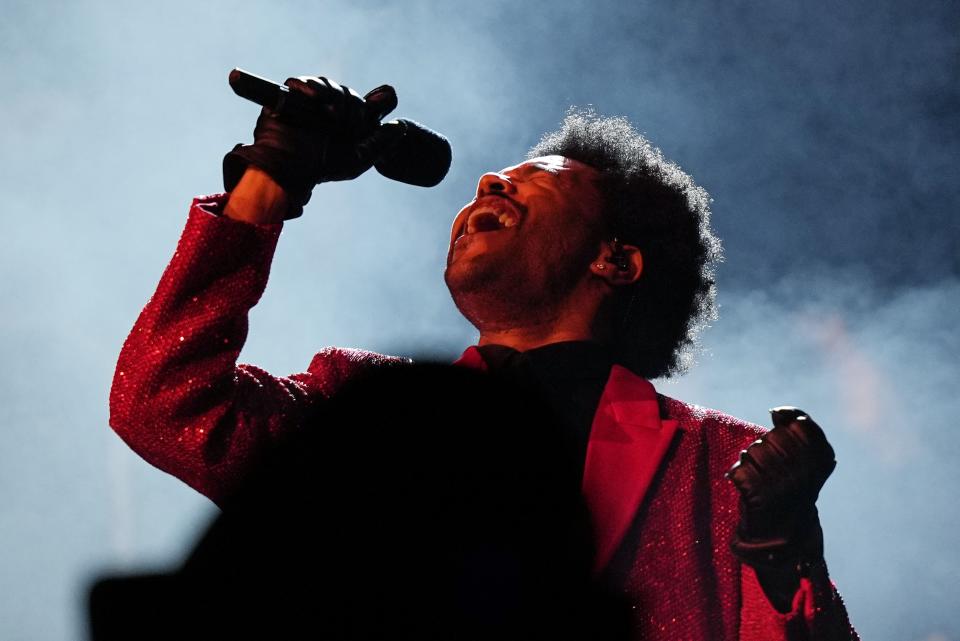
526 239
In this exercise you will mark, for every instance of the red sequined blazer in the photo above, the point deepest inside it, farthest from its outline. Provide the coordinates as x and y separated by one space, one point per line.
653 479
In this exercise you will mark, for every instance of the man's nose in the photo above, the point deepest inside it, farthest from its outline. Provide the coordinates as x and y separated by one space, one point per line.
495 183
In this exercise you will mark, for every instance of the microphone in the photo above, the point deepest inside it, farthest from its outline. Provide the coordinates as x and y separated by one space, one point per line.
421 157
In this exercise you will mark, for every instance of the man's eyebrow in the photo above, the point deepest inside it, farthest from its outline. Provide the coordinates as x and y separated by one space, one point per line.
539 167
522 171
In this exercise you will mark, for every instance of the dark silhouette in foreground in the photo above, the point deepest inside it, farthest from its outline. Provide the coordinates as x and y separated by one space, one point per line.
423 501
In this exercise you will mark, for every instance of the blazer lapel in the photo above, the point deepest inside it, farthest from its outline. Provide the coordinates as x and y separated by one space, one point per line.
627 444
628 441
471 358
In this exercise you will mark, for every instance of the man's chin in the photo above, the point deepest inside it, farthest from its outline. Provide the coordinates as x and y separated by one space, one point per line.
475 287
468 270
461 278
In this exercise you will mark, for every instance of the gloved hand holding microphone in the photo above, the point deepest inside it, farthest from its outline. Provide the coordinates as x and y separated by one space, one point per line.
314 130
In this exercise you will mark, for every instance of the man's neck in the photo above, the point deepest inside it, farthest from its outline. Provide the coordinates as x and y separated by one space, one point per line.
527 338
574 320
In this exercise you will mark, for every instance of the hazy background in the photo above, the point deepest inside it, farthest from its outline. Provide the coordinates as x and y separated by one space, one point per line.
825 132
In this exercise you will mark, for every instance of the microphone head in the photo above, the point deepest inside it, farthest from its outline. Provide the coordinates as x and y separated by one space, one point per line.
421 157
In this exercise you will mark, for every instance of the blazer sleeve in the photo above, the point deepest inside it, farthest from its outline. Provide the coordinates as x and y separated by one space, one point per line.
818 612
178 398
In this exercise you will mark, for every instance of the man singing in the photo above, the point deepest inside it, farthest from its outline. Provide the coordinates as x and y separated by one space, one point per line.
587 269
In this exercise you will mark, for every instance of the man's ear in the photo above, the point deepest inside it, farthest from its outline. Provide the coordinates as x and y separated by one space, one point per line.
618 264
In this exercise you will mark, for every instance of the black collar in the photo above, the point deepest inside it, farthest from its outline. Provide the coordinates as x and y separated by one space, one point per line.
570 360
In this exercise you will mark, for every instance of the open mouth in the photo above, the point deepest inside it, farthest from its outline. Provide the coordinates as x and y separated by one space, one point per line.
489 214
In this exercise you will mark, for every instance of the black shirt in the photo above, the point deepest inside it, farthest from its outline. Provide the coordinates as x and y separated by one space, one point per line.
567 377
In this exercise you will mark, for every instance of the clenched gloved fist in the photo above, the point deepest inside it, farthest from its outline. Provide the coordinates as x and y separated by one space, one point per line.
342 139
779 478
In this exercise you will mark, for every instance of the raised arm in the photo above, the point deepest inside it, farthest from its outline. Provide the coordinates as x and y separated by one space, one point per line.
179 399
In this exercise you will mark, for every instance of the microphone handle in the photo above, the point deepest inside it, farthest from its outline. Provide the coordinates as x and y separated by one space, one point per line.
290 106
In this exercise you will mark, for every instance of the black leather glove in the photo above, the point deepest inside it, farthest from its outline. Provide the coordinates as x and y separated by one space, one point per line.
340 142
779 478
